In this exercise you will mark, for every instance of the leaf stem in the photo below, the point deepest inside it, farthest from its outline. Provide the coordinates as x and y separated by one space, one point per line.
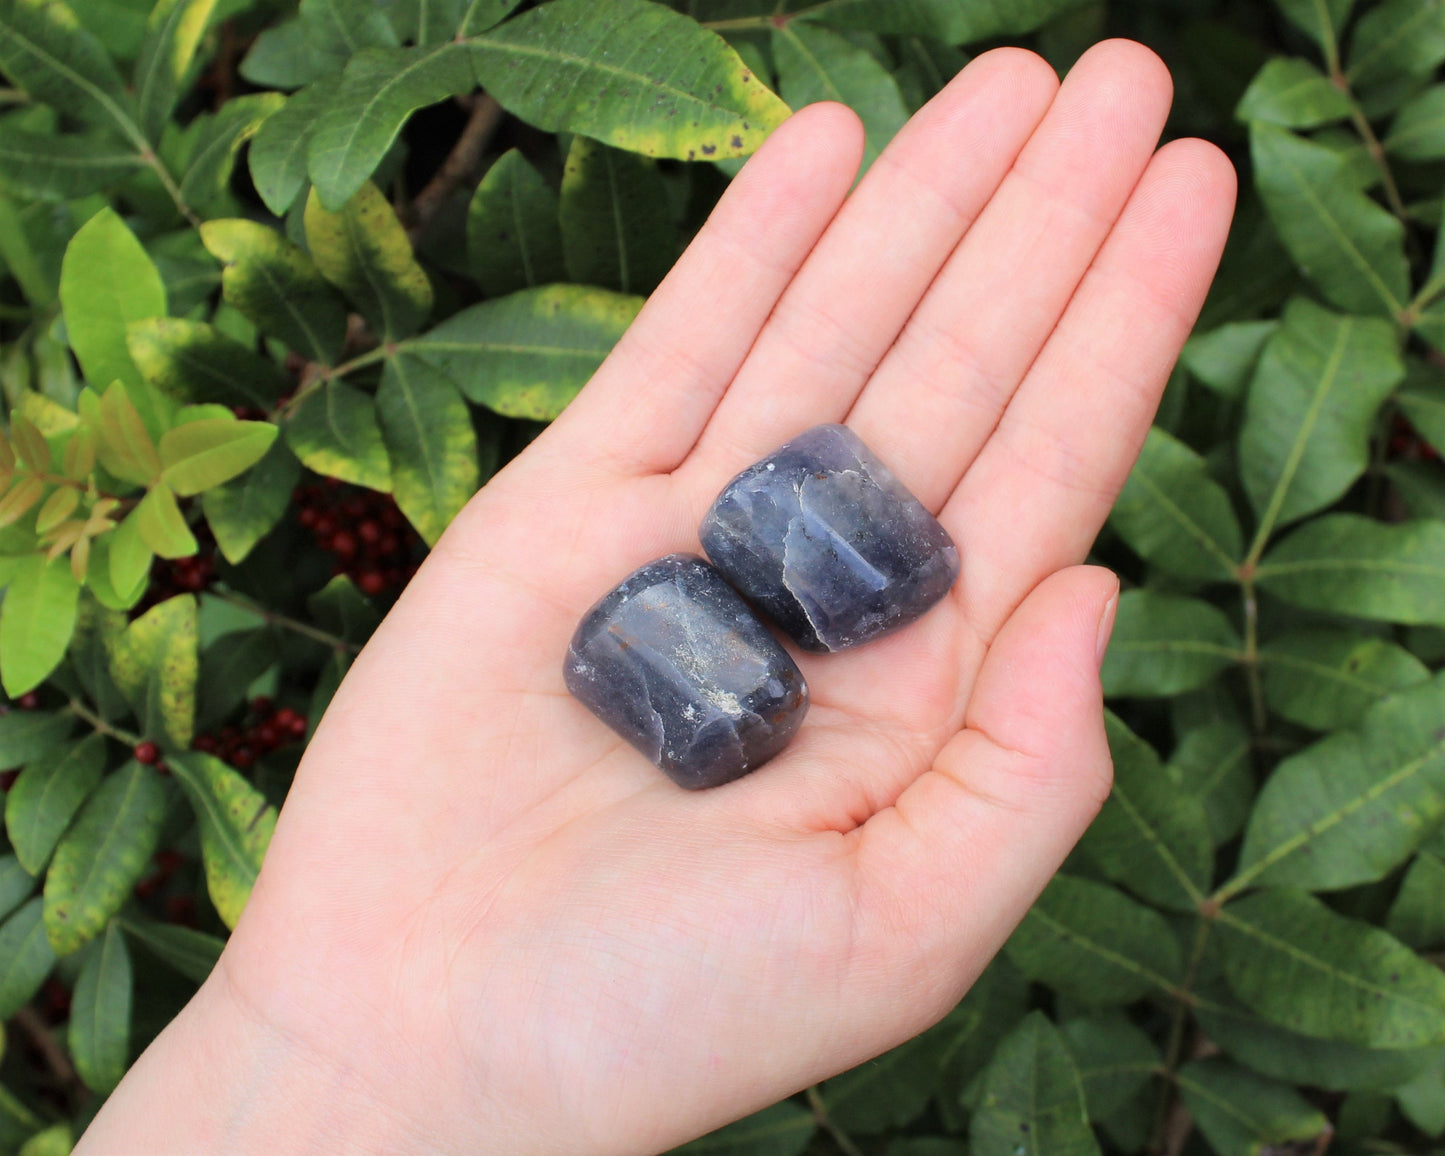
272 618
486 115
172 189
1174 1051
1377 154
100 726
1251 653
360 361
840 1137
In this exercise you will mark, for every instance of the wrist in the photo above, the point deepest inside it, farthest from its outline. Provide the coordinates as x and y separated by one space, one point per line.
220 1079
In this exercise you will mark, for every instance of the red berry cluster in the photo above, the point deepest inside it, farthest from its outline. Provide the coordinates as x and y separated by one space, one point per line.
188 575
180 905
1406 443
266 728
363 530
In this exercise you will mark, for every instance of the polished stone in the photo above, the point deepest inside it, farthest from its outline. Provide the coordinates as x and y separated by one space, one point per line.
678 665
827 543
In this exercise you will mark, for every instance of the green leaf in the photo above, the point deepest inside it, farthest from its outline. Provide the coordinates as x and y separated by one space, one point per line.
1152 834
430 442
125 447
125 559
1224 358
333 429
1242 1114
17 1122
1166 643
16 885
1422 398
527 355
815 64
679 91
1174 515
102 856
893 1089
106 280
278 287
1033 1100
278 150
47 52
26 735
1398 38
1311 407
1418 132
192 953
193 362
61 168
1350 247
161 525
379 90
1422 1100
230 665
1094 944
1321 20
100 1013
236 825
363 250
1348 564
1353 806
36 622
1417 917
154 663
616 219
1115 1060
945 20
1293 93
26 957
89 655
56 1140
242 512
46 797
782 1130
513 239
1325 679
218 138
339 607
201 454
1284 1055
173 33
1308 969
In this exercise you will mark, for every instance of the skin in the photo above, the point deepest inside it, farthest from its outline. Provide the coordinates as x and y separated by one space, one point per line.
485 924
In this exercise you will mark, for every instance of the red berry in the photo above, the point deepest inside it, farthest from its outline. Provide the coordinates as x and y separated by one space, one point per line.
343 544
261 705
371 582
206 743
266 735
243 756
28 701
298 727
389 544
147 752
181 909
369 532
325 526
307 517
391 516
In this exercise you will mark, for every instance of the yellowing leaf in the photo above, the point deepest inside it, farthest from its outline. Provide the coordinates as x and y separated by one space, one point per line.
125 448
236 825
155 665
161 524
207 453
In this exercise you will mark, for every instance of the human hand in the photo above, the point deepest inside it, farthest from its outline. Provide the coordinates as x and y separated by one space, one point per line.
485 924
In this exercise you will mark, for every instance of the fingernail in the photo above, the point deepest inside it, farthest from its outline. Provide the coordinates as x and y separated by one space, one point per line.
1106 624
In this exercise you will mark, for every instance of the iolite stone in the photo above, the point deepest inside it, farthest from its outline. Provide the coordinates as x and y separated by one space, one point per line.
678 665
822 538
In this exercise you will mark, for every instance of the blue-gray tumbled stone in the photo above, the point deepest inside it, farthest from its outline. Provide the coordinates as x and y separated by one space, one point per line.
678 665
832 547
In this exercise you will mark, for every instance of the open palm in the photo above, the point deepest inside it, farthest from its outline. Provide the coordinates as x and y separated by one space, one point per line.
486 923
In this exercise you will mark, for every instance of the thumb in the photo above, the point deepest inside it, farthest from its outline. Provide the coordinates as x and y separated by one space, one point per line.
953 866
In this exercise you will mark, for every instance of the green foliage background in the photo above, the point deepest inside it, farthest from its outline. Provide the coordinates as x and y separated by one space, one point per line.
264 264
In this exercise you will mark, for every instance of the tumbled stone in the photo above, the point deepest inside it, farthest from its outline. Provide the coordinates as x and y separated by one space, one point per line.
678 665
822 538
